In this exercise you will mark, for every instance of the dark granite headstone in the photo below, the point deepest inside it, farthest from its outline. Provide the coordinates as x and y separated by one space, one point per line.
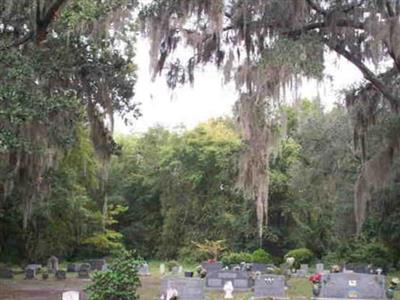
352 285
45 276
30 274
188 288
98 264
73 268
240 279
6 273
84 270
270 286
61 275
211 267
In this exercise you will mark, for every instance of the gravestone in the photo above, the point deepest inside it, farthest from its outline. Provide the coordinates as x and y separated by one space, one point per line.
360 268
30 274
270 286
303 271
61 275
212 267
70 295
6 273
241 280
319 268
162 269
45 276
175 270
187 288
73 268
259 267
35 267
98 264
352 286
84 270
143 270
52 264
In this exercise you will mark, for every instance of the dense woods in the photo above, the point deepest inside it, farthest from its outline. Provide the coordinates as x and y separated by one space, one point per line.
276 175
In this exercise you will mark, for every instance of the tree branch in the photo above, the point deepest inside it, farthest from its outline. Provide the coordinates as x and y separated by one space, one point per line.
368 74
390 9
26 38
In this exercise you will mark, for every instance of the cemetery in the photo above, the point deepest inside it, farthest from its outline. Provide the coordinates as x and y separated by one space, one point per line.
199 149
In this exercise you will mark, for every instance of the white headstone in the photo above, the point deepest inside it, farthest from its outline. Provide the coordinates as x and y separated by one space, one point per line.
180 270
228 289
70 295
162 269
319 268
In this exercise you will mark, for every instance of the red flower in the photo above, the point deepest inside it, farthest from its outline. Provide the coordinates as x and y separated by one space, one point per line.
315 278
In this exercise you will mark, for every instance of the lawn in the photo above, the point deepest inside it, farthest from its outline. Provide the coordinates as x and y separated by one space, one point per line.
20 289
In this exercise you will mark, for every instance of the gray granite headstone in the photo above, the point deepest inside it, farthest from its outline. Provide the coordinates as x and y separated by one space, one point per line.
143 270
188 288
73 268
212 267
360 268
270 286
259 267
240 279
303 271
84 270
36 267
6 273
52 264
352 285
319 268
98 264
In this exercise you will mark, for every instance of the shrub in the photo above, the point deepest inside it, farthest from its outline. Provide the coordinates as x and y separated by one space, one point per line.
119 282
191 255
234 258
301 256
376 254
261 256
171 264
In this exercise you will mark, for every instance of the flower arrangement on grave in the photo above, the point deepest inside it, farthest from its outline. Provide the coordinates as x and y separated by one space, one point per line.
393 286
316 280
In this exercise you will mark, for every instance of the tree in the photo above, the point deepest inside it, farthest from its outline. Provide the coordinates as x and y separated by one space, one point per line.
283 41
58 70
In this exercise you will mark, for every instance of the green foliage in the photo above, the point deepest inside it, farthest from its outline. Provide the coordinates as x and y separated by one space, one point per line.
235 258
301 256
261 256
119 282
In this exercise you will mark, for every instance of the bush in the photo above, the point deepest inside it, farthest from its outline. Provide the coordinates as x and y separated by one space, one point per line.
261 256
301 256
119 282
191 255
235 258
171 264
376 254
